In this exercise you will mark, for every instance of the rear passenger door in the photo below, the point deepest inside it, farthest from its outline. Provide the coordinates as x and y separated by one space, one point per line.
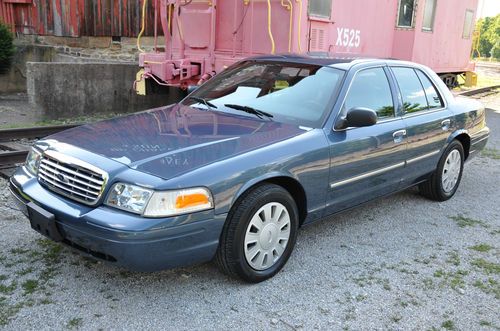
427 122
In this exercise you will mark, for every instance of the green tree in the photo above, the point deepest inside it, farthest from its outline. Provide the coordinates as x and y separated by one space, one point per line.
489 36
6 47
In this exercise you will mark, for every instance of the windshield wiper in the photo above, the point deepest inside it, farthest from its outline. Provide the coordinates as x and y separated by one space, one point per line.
204 101
249 110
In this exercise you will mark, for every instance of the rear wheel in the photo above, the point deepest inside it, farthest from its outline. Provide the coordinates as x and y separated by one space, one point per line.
445 180
259 235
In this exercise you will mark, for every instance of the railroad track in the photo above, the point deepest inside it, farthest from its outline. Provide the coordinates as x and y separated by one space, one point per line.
12 152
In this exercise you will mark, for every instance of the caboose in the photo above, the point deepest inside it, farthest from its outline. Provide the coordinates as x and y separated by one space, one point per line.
203 37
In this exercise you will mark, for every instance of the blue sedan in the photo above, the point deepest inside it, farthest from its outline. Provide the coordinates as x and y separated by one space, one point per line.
236 168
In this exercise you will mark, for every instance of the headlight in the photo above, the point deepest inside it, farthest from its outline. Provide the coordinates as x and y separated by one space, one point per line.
129 197
33 161
170 203
158 203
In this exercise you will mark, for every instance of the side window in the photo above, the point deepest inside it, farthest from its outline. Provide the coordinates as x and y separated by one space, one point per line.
321 8
370 89
414 99
405 13
433 98
468 24
429 15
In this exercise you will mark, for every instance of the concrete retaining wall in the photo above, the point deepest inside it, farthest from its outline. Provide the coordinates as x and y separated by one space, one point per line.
64 90
14 80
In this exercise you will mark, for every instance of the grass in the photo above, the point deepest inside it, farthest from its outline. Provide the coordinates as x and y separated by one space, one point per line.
455 279
453 258
491 153
74 323
30 286
489 268
448 325
41 264
483 248
463 221
8 289
489 286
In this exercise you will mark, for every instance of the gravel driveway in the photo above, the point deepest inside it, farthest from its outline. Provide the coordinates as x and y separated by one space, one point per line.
399 263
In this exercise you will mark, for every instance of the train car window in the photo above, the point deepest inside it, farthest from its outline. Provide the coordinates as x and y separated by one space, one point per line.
468 24
433 98
320 8
370 89
405 13
412 91
429 14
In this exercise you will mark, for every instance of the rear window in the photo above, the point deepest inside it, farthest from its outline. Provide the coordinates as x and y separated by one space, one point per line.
412 91
433 98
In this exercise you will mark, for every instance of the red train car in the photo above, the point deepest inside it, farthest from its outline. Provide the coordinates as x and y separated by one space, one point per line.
202 37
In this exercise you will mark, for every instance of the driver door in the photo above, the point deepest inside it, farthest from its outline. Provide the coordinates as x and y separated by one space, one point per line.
367 162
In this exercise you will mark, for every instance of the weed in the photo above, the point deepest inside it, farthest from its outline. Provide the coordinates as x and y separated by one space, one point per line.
8 289
448 325
30 286
463 221
453 258
74 323
487 267
24 271
490 286
491 153
481 248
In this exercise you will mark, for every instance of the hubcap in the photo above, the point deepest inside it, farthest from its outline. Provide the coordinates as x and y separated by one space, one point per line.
267 236
451 171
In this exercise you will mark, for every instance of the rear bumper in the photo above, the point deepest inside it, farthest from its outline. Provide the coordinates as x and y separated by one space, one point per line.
478 142
190 239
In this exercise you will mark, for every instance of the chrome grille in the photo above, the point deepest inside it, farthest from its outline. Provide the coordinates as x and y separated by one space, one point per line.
71 177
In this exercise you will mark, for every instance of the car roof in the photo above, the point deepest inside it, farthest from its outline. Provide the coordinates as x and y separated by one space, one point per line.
325 59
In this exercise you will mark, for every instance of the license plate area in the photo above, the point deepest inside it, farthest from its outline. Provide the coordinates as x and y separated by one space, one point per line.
43 222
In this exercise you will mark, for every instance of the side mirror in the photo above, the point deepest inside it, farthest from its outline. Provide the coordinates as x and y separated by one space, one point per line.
358 117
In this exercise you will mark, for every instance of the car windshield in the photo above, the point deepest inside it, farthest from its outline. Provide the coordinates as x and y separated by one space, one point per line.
300 94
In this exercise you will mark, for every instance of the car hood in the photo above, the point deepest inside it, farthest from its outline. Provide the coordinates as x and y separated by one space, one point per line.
172 140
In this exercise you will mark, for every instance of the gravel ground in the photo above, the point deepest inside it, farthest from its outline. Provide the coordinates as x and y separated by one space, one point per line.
398 263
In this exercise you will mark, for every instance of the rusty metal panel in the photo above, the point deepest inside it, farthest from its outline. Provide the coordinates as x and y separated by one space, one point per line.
74 18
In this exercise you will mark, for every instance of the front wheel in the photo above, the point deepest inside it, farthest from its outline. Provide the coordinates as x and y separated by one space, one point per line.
259 235
444 182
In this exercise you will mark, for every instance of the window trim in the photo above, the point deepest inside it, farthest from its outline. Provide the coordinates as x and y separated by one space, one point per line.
412 25
424 112
433 18
396 116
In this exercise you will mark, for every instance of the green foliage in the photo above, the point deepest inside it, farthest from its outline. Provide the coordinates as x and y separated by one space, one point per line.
489 36
6 47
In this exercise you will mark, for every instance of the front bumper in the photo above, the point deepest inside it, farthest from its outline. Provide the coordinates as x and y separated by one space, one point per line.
124 239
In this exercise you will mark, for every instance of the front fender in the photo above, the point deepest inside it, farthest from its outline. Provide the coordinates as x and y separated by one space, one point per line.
254 181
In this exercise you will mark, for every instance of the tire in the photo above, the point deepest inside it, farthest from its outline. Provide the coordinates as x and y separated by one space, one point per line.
436 187
242 229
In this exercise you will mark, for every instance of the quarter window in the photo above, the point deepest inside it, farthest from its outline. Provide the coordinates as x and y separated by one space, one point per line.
433 98
370 89
405 13
414 98
469 21
321 8
429 14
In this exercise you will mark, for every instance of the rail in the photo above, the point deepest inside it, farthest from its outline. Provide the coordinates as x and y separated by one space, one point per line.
12 153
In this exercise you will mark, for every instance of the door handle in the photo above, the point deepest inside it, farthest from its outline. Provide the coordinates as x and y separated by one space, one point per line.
399 135
445 124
